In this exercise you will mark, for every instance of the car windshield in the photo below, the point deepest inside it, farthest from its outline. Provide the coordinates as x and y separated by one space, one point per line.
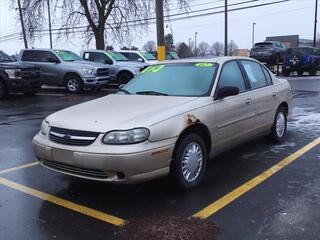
148 56
5 58
174 79
116 56
68 56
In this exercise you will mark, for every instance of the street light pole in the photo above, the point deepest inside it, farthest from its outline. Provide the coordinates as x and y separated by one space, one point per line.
22 25
160 31
49 19
195 43
315 25
253 25
226 28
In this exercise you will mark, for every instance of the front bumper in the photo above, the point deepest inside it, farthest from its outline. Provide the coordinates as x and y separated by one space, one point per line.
132 166
22 85
95 81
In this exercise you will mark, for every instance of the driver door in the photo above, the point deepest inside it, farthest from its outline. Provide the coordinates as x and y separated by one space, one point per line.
234 115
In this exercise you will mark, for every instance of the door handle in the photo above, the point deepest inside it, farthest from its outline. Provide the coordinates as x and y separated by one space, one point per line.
249 101
274 94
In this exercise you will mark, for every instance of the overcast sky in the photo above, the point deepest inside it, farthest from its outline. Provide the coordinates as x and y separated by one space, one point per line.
293 17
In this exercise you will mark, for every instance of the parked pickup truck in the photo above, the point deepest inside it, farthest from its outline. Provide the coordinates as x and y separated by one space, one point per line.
65 68
121 70
18 77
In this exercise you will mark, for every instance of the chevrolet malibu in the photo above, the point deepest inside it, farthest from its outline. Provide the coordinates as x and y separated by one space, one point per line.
169 120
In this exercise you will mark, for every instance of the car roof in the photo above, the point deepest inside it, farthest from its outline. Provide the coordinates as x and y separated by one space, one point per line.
219 60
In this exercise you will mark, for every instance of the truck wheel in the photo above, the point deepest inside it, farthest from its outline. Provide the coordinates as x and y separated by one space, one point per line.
189 162
73 84
124 78
300 72
279 128
3 90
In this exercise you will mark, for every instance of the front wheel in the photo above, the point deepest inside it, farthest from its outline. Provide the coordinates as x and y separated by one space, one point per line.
124 78
189 162
279 127
74 84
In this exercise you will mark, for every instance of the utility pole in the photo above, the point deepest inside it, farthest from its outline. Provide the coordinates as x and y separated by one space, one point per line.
195 43
160 31
49 18
22 25
253 25
226 28
315 25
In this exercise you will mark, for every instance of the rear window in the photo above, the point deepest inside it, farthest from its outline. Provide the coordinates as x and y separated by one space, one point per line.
263 44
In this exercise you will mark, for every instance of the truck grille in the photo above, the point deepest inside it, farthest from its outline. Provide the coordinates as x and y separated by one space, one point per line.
30 74
102 72
72 137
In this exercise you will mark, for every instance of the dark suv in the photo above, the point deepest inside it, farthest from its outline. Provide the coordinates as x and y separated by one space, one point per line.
270 52
18 77
302 60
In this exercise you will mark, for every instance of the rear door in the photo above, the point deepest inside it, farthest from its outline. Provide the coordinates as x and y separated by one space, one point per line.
234 115
264 94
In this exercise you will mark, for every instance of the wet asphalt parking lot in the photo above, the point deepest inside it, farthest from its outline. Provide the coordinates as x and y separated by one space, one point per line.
256 191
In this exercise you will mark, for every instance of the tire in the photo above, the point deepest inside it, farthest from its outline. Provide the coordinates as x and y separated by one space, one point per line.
300 72
3 90
313 72
124 78
73 84
279 128
179 167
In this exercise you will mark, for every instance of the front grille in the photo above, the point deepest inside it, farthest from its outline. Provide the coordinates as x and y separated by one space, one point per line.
72 137
76 170
29 74
102 72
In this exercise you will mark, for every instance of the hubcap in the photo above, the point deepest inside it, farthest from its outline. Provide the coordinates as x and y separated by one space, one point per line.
280 124
192 162
73 85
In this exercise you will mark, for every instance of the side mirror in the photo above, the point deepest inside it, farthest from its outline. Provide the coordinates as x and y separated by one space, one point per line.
140 60
227 92
53 60
108 61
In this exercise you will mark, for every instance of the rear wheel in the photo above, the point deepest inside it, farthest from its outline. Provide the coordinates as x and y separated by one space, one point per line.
3 90
279 128
124 78
74 84
189 162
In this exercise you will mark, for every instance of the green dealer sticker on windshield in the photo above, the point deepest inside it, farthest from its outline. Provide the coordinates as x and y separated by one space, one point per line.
203 65
153 69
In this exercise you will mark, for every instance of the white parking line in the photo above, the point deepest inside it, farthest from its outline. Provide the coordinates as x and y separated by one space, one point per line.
19 167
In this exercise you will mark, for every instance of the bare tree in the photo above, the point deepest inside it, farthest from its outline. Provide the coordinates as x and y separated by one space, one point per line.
96 19
217 48
232 48
150 46
203 48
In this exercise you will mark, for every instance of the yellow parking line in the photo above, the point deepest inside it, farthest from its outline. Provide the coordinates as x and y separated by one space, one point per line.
238 192
19 167
64 203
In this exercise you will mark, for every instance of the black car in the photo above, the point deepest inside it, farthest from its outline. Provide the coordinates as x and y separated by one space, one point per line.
270 52
18 77
306 59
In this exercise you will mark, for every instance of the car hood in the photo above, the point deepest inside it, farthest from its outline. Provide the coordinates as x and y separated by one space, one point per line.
120 112
87 64
131 64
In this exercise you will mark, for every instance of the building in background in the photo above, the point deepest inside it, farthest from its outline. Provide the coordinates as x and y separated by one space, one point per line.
293 41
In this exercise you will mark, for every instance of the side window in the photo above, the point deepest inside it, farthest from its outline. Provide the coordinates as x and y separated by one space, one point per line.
231 76
131 56
88 56
47 55
31 56
100 57
255 74
267 74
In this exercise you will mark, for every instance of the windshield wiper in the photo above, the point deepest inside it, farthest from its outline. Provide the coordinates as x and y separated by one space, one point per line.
152 93
123 90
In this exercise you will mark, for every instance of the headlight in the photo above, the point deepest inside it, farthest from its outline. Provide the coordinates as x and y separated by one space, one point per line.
45 127
12 73
131 136
89 70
